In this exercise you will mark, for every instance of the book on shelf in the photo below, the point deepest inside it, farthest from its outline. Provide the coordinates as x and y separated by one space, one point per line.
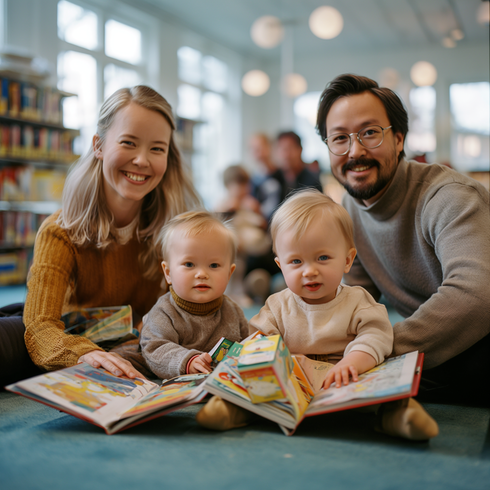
303 396
30 101
19 228
13 267
110 402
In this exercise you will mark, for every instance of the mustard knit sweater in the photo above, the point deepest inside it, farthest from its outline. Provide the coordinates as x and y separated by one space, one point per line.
65 277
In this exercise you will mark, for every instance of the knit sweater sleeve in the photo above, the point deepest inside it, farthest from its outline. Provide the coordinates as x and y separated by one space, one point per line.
54 262
160 342
373 332
456 222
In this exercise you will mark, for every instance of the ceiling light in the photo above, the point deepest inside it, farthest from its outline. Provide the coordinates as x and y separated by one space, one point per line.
483 15
294 84
423 73
255 83
267 32
326 22
457 34
448 42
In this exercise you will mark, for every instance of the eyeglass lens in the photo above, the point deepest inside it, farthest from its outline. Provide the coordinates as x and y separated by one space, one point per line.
369 137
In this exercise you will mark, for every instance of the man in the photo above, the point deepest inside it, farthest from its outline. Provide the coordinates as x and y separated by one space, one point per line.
288 154
268 185
422 234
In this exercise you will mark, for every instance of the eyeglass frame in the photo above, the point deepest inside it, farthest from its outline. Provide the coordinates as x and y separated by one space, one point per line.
358 139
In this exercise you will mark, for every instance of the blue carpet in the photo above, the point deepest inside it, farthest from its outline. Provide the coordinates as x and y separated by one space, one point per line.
42 448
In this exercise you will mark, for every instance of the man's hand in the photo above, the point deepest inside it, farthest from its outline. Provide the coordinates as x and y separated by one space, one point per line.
201 364
352 365
111 362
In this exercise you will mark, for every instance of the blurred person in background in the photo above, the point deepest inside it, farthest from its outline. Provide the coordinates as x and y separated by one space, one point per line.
250 282
268 183
288 150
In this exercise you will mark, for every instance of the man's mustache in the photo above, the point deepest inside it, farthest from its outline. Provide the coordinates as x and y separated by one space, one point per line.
360 162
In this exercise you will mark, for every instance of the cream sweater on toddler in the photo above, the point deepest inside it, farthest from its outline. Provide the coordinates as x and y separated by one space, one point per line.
352 321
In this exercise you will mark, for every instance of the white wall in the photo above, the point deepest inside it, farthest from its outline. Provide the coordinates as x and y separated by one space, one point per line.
465 63
31 25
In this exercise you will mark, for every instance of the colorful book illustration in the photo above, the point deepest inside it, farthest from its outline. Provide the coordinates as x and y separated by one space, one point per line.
220 350
117 403
113 403
100 324
396 378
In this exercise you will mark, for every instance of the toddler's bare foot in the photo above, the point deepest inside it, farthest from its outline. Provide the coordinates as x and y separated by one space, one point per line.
408 420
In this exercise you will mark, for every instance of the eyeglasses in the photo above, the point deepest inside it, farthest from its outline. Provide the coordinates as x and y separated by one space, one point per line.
369 137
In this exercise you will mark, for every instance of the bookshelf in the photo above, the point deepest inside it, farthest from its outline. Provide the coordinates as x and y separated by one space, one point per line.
35 153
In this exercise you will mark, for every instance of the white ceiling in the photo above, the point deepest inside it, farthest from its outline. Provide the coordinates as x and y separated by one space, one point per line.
368 24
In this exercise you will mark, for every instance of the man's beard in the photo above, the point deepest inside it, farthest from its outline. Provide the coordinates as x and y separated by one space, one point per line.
369 191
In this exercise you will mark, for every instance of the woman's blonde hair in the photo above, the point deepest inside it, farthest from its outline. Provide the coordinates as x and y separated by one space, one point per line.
302 208
196 223
85 214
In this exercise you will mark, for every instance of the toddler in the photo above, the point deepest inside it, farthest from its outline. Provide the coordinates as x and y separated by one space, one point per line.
199 254
319 317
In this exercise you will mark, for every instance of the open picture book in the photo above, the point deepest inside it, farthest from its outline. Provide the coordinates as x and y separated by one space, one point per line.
113 403
396 378
117 403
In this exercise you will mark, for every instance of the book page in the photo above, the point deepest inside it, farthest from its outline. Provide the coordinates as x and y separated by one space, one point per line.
392 377
315 371
176 390
95 394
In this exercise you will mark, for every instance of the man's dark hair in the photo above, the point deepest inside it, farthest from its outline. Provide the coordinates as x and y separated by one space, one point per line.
292 135
349 84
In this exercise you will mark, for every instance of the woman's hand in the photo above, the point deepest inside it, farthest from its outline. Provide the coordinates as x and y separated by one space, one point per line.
111 362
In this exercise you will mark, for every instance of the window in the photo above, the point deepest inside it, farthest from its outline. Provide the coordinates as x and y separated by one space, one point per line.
116 77
122 42
203 97
305 110
93 67
470 121
77 73
77 25
421 138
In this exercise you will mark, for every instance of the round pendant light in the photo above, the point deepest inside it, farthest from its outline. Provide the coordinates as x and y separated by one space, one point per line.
326 22
423 73
255 83
267 31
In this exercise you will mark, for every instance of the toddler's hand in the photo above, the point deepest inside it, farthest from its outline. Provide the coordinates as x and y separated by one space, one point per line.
201 364
354 363
338 374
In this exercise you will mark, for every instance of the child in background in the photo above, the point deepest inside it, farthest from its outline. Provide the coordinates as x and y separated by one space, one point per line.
319 317
254 241
199 254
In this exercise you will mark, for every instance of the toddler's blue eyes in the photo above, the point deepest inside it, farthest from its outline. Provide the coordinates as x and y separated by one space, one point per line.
323 257
188 264
214 266
296 261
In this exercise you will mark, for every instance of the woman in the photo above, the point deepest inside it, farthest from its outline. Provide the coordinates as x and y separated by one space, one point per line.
98 250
